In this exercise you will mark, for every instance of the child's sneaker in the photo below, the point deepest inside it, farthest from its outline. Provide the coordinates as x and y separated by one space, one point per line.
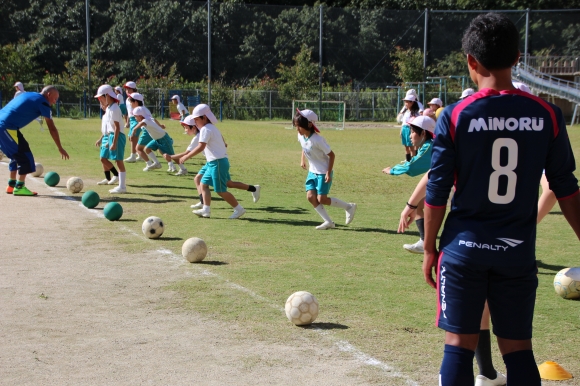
326 225
350 213
131 159
256 194
103 182
237 214
415 248
118 190
197 206
10 189
201 213
500 380
171 169
181 172
23 191
113 180
156 165
139 159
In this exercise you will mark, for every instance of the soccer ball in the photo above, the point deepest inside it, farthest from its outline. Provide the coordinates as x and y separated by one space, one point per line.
74 184
39 170
301 308
567 283
153 227
194 250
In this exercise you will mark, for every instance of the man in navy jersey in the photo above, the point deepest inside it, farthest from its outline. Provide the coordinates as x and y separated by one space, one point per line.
15 115
492 146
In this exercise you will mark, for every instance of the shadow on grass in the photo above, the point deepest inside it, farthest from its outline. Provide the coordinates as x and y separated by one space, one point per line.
379 230
162 186
326 326
557 213
126 220
551 267
170 238
286 222
278 209
128 199
212 262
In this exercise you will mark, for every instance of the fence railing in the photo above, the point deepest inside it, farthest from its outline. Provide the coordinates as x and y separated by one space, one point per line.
555 65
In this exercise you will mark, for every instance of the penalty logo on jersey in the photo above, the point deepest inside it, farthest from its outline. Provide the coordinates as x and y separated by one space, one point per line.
492 247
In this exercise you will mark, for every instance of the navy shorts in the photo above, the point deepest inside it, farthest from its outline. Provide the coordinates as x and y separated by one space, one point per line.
16 148
463 287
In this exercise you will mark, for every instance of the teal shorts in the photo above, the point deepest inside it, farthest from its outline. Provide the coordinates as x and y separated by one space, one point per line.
132 123
217 174
202 170
123 108
105 147
164 145
144 138
406 135
316 182
119 153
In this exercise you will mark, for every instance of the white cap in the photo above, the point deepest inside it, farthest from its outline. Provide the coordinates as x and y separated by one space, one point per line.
412 92
436 101
132 85
136 96
410 98
19 85
467 92
142 111
203 109
118 88
311 116
422 121
176 97
522 87
105 89
189 121
428 111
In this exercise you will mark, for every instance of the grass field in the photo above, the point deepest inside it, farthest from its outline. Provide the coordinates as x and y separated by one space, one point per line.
371 291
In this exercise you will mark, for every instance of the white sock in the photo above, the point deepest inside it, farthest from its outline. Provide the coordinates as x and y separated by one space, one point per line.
339 203
122 178
322 212
133 155
152 157
149 163
170 164
206 208
182 167
239 208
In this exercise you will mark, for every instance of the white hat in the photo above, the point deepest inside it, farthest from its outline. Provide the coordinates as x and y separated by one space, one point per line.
189 121
176 97
105 89
132 85
522 87
118 88
467 92
311 116
136 96
410 98
412 92
142 111
436 101
19 85
424 122
203 109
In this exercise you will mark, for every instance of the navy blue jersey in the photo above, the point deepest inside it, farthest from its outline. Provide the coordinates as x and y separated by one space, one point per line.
493 147
23 109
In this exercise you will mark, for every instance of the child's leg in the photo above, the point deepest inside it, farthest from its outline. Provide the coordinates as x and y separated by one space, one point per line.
229 198
122 174
483 349
206 194
142 154
313 198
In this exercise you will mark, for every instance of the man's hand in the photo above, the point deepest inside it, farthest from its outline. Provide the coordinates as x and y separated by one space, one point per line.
63 153
430 260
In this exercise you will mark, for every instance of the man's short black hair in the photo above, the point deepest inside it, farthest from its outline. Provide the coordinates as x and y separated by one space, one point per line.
493 40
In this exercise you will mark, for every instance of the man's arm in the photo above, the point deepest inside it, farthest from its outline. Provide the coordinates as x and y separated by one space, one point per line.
56 138
433 219
571 209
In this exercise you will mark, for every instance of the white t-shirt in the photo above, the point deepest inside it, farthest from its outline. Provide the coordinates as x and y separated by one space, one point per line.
129 108
316 150
120 98
407 117
154 130
181 108
18 93
194 143
215 146
112 115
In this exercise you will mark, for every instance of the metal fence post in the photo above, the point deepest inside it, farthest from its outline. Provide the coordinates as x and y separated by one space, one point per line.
209 52
234 104
373 97
425 44
526 39
270 111
85 102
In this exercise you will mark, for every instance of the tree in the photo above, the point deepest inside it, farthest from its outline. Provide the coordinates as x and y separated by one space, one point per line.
299 81
17 64
408 64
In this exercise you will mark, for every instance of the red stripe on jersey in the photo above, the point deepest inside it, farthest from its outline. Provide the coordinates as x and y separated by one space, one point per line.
438 281
542 102
463 104
434 206
569 196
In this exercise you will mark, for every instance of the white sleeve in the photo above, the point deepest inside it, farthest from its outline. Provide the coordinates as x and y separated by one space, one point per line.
204 135
323 145
194 143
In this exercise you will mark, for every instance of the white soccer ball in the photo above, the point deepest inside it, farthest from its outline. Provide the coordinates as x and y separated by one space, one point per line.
75 184
301 308
153 227
567 283
194 250
39 170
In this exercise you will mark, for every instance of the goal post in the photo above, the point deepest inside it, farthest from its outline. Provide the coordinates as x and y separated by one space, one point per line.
331 114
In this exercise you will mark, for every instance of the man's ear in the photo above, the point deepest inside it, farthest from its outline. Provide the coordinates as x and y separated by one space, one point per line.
472 62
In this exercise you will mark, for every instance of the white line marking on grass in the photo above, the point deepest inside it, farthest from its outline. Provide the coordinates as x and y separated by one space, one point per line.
342 345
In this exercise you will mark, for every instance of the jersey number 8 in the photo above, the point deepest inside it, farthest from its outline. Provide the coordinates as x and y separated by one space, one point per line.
507 170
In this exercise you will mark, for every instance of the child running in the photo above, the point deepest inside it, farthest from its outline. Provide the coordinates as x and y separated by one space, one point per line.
320 171
160 141
122 105
131 88
412 110
113 137
217 173
183 112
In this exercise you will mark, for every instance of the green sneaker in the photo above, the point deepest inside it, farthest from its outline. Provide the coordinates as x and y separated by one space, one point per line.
23 191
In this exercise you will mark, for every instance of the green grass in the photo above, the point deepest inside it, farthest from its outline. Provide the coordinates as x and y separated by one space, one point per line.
371 291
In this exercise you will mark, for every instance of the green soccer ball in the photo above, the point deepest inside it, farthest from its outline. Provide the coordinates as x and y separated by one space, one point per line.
113 211
91 199
51 178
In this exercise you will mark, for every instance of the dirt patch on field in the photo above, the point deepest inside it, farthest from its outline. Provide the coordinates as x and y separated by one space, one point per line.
76 309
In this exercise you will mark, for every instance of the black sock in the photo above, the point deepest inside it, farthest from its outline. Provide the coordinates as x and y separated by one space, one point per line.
11 183
201 198
251 188
483 355
521 368
19 184
421 227
115 172
408 157
108 175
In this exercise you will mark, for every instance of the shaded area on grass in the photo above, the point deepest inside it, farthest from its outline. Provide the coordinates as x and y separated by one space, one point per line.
551 267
